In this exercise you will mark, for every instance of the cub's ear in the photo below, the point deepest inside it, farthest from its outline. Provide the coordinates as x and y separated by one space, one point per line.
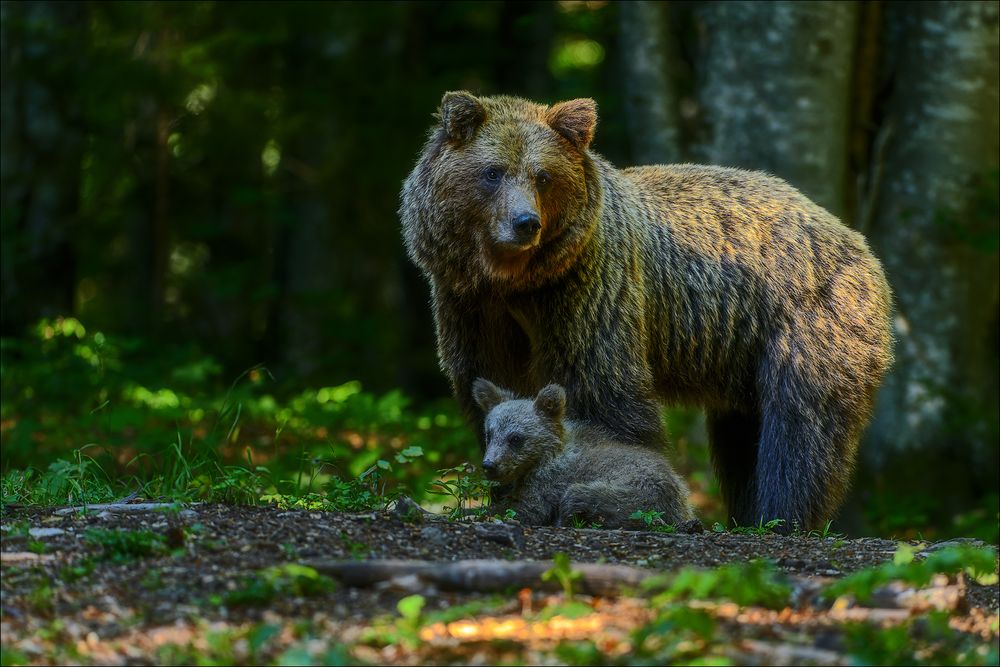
487 394
461 114
576 120
551 402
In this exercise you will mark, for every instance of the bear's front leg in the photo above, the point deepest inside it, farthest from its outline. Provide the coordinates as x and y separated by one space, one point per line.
607 380
477 339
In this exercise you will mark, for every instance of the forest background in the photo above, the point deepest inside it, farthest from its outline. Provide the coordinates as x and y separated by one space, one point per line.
204 290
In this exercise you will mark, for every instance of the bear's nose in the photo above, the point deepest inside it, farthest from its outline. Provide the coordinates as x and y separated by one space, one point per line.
489 467
526 225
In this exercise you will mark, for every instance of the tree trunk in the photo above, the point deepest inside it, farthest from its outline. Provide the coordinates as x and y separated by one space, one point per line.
775 91
650 102
935 228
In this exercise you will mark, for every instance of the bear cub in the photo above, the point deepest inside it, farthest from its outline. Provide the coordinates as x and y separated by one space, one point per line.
559 469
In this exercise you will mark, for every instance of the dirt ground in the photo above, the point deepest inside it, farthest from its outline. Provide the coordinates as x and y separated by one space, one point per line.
130 611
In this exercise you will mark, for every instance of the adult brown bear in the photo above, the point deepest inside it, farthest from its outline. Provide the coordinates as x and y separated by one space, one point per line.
710 286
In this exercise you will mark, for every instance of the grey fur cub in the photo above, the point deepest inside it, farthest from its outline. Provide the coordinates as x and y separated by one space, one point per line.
558 469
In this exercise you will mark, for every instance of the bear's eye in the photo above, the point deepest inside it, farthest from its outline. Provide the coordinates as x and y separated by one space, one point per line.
493 174
543 180
515 440
489 434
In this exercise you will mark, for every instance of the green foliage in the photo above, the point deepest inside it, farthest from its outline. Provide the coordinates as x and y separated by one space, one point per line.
125 545
466 486
825 532
761 528
42 598
678 634
403 629
159 421
562 571
977 562
927 641
753 583
286 580
570 609
653 520
77 570
11 656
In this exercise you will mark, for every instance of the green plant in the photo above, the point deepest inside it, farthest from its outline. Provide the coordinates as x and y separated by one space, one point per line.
288 579
125 545
825 532
78 569
41 598
403 629
358 550
677 635
753 583
653 520
979 563
760 529
562 572
466 487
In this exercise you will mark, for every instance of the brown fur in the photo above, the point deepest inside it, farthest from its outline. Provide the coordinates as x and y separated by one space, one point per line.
558 470
692 284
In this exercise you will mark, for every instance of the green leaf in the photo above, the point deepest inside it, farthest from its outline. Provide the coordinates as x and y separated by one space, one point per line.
411 606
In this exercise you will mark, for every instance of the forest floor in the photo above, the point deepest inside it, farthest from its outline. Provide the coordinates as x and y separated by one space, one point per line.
220 584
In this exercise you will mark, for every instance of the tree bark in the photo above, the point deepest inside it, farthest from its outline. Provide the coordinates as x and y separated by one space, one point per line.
774 91
935 228
650 101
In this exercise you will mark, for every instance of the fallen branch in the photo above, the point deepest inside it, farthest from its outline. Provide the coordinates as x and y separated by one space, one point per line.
122 508
483 575
767 653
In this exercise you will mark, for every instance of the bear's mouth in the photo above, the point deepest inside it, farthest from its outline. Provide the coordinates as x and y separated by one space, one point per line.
505 260
513 250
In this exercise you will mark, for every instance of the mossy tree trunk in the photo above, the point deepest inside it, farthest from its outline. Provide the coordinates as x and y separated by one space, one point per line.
650 102
774 91
934 224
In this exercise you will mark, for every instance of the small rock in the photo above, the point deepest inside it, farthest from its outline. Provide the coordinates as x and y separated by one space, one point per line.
45 532
506 535
407 511
23 556
956 542
434 535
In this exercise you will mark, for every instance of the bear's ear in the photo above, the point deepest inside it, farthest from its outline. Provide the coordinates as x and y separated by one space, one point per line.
551 402
576 120
487 394
461 114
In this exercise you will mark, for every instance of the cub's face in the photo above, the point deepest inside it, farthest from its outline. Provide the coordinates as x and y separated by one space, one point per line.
519 433
511 173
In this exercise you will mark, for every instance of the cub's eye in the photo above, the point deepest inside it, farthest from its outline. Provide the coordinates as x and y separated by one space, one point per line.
543 180
493 174
489 434
515 440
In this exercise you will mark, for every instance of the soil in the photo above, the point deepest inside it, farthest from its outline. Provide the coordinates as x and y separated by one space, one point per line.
126 612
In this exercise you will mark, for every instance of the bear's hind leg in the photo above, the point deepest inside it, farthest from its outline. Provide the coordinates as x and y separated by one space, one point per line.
734 436
593 502
809 432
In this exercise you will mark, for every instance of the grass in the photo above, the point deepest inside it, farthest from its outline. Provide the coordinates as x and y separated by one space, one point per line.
653 520
89 418
121 546
287 580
